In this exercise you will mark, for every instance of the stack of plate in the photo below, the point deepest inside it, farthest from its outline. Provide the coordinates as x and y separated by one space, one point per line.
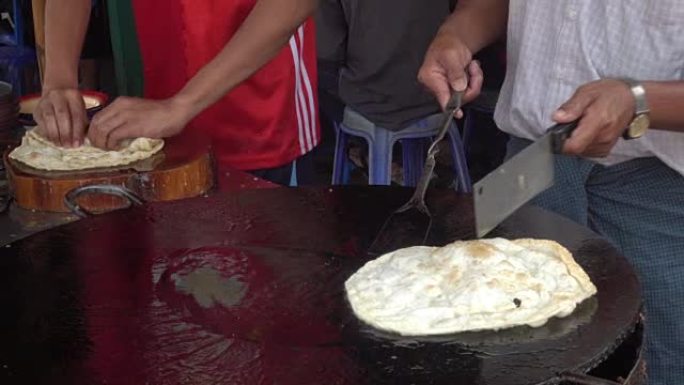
9 107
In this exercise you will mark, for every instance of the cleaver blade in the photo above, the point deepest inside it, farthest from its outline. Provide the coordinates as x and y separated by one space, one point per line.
524 176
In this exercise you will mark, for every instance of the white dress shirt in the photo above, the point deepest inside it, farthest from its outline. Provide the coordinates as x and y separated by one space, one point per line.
555 46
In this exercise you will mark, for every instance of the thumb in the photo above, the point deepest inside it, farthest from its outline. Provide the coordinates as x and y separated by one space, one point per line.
458 80
573 109
433 77
439 88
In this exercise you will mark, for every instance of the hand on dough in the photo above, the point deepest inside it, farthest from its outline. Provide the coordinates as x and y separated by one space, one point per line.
61 117
129 118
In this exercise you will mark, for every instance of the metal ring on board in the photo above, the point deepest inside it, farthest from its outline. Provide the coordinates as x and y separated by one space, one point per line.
119 191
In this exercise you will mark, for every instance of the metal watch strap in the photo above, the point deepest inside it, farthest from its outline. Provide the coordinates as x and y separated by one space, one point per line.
641 106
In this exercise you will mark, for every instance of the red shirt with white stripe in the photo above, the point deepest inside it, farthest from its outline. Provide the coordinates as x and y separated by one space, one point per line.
268 120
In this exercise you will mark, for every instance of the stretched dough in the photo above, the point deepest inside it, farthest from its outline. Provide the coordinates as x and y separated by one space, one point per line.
38 152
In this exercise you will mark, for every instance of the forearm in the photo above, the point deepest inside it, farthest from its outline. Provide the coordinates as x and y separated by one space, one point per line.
262 35
666 102
66 22
477 23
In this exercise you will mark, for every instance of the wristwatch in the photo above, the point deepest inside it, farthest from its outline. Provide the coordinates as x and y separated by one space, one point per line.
640 123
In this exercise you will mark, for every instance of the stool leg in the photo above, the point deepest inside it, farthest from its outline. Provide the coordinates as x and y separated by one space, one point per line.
413 157
460 164
293 175
380 158
340 163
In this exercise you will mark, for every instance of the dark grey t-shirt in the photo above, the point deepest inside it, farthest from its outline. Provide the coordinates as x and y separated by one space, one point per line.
378 47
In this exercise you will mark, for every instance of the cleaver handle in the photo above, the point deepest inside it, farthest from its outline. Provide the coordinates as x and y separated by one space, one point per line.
560 133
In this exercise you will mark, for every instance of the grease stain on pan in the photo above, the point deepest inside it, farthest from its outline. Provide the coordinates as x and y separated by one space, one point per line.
208 288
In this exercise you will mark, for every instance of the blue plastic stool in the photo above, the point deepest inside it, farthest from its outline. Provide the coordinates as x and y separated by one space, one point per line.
13 61
413 138
15 57
16 38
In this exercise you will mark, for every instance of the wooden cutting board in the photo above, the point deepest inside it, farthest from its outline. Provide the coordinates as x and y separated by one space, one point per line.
183 169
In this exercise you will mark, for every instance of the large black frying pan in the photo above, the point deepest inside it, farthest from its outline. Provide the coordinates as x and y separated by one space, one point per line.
248 289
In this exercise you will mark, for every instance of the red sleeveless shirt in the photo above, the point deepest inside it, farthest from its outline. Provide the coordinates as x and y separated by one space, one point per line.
268 120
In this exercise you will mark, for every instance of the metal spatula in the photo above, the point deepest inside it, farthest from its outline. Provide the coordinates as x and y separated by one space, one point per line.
410 224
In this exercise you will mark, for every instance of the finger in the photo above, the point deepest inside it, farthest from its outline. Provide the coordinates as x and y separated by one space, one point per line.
79 120
597 151
98 130
106 120
63 119
436 82
475 80
101 128
574 108
584 135
108 113
119 105
40 121
38 113
122 132
50 125
458 80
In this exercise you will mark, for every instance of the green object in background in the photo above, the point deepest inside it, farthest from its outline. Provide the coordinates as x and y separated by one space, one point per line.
125 48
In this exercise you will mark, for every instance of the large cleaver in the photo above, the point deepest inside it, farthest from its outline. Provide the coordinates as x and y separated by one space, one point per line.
518 180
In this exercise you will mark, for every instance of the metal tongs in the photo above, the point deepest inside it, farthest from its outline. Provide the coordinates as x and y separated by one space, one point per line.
410 224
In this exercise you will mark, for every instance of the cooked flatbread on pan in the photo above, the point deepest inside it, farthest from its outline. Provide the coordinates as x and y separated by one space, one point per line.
38 152
487 284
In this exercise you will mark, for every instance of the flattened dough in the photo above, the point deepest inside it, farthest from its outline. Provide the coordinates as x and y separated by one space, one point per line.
38 152
488 284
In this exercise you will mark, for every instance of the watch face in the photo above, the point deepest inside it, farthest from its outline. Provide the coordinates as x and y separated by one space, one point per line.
638 126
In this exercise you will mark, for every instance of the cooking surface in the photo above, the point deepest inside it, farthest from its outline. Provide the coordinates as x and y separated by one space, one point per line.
248 288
